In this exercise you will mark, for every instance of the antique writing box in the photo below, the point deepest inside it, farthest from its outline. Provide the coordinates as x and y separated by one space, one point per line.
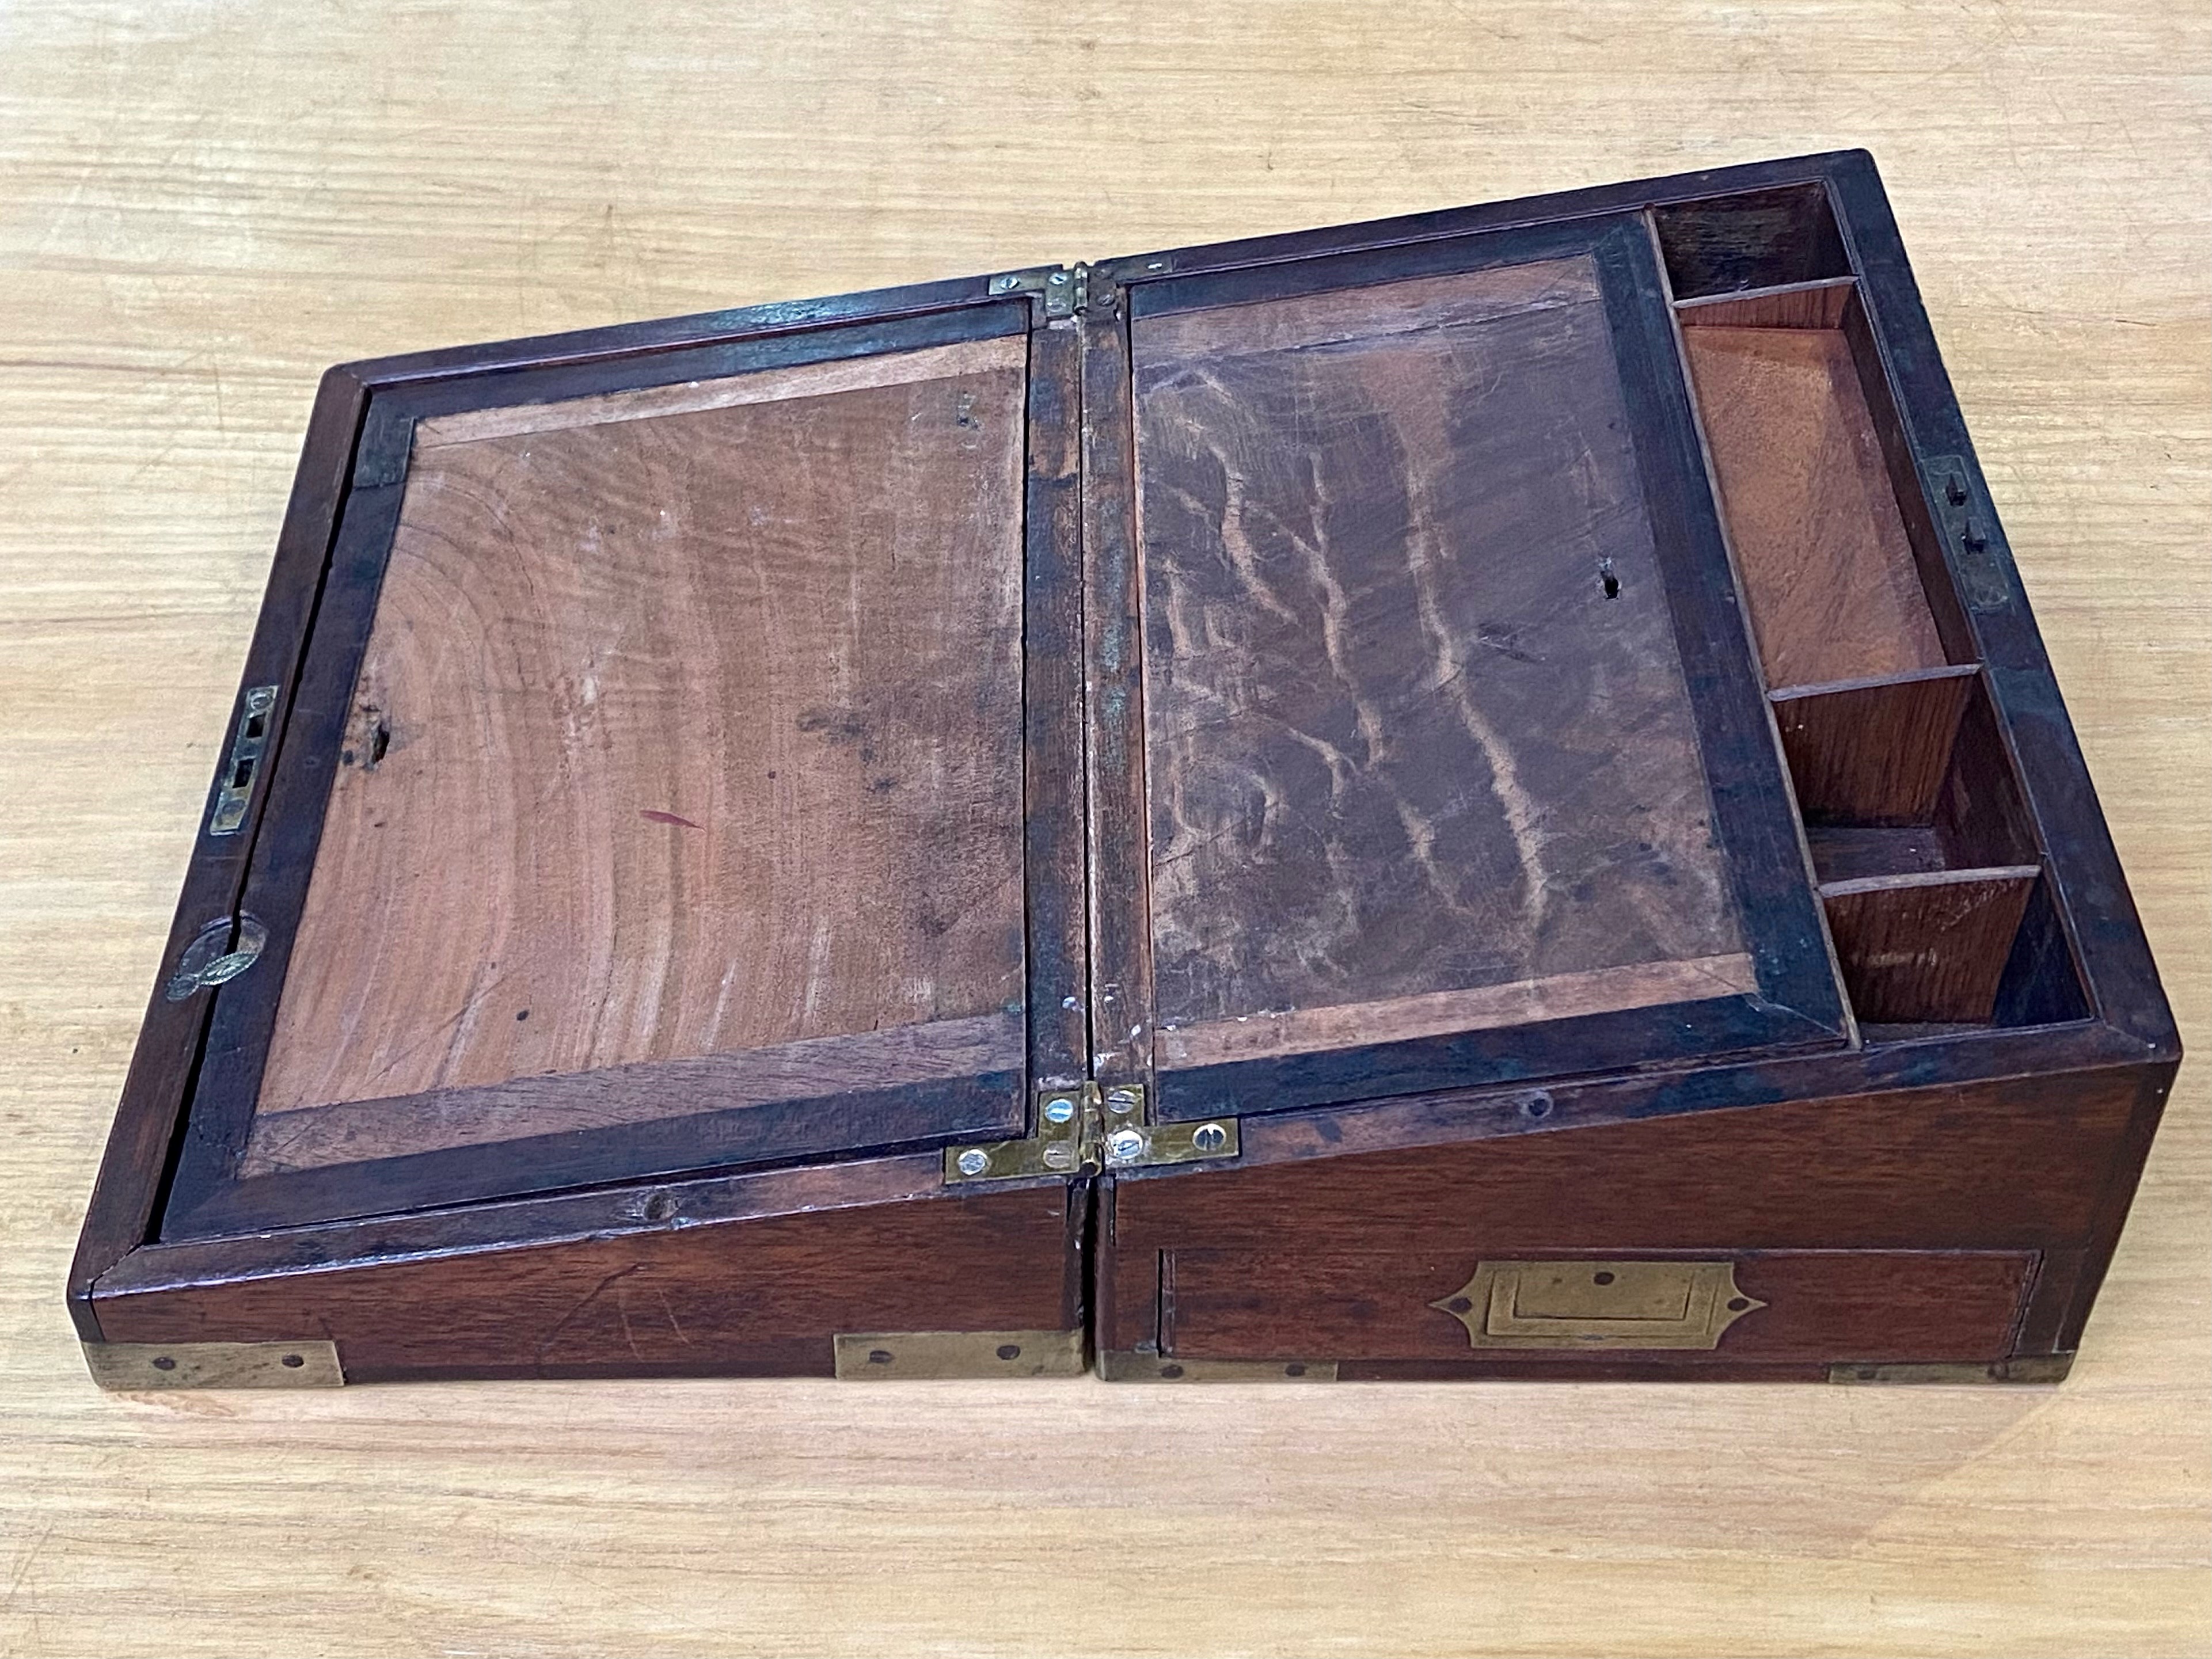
1473 795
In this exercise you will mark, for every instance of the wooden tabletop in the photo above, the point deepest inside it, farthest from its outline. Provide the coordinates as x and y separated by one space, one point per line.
201 205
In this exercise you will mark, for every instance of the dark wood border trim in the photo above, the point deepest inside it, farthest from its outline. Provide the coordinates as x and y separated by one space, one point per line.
132 1172
1056 860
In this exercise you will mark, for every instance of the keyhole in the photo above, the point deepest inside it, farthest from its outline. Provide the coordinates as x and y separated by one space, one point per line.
1606 579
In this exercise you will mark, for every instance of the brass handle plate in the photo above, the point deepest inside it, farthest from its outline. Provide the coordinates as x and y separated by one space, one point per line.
1598 1304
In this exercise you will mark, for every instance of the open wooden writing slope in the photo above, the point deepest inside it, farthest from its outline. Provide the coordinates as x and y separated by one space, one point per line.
1473 795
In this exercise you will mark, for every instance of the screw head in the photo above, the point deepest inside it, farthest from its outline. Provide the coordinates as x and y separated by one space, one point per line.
1057 278
973 1162
1059 1109
1058 1157
1209 1138
1002 284
1122 1101
1125 1144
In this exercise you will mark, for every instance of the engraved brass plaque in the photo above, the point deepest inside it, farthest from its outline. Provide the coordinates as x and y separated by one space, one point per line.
1598 1304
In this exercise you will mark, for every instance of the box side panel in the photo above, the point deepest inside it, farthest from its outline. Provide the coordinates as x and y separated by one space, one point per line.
1902 1227
752 1295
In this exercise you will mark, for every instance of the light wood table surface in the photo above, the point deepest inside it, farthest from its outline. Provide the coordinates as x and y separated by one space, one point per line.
202 203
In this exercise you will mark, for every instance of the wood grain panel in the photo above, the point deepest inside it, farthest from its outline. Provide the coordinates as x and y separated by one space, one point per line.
678 734
1876 753
1820 1306
1927 947
1819 543
1988 1165
749 1295
1414 717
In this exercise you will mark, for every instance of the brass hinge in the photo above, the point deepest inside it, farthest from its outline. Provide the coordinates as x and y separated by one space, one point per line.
1063 290
1083 1128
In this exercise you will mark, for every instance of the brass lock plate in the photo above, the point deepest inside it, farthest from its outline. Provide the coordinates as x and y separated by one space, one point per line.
1598 1304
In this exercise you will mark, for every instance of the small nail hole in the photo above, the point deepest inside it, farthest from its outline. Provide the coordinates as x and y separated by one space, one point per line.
1738 1303
1460 1304
163 1363
1539 1107
659 1206
291 1362
1010 1350
1600 1278
879 1355
1171 1371
1294 1371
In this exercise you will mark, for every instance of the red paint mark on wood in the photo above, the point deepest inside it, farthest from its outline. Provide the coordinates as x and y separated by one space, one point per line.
669 817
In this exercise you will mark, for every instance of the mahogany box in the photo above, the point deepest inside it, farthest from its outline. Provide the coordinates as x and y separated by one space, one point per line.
1473 795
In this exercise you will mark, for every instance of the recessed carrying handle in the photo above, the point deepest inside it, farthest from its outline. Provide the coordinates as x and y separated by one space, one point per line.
1598 1304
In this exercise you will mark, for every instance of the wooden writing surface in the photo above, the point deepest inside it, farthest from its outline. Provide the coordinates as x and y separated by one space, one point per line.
691 725
1418 738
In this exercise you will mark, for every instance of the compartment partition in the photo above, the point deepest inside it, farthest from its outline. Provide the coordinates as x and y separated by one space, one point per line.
1922 844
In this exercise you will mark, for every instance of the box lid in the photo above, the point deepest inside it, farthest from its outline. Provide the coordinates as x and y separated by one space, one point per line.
1454 766
650 797
684 766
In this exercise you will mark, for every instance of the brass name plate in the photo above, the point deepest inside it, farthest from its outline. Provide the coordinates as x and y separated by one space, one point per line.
1598 1304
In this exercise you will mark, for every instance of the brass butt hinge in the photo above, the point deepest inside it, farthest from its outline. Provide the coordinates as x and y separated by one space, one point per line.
1083 1128
1062 290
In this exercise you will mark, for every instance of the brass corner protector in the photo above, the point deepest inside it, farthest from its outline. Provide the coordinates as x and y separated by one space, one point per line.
924 1355
1121 1365
2024 1368
1598 1304
130 1366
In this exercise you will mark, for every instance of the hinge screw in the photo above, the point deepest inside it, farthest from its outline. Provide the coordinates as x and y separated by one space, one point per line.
1058 278
1122 1101
1057 1156
974 1161
1209 1137
1004 284
1059 1109
1126 1144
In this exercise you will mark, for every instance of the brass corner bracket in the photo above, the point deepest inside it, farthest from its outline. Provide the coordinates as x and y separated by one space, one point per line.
130 1366
923 1355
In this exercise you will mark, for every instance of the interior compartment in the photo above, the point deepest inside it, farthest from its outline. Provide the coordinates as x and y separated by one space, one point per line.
1832 536
1927 862
1763 239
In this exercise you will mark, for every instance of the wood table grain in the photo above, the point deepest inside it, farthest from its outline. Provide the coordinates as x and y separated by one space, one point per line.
202 203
